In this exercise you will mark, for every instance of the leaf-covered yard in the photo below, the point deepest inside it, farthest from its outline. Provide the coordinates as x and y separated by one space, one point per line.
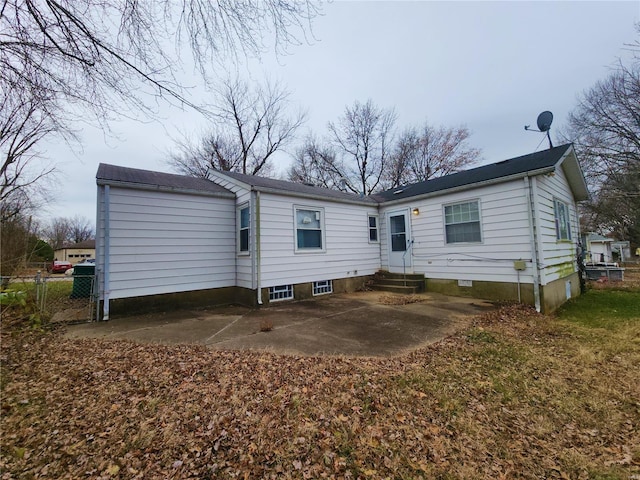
516 395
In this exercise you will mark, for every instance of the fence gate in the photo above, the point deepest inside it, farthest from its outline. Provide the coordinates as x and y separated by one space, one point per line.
58 299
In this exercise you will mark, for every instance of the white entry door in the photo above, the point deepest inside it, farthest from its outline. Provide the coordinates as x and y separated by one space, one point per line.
399 237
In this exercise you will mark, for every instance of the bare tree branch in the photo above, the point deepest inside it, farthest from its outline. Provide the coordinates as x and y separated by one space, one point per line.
250 126
364 135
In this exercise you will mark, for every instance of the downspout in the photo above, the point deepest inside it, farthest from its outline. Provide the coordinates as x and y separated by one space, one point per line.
534 248
258 269
106 286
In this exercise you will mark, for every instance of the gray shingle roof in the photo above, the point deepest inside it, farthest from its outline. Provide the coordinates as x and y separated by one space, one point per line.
168 181
297 188
506 168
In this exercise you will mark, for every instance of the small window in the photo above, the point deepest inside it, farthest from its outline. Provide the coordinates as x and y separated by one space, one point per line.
373 228
243 231
462 222
323 287
309 228
563 227
281 292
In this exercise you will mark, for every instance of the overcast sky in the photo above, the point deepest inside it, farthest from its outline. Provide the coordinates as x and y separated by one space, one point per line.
492 66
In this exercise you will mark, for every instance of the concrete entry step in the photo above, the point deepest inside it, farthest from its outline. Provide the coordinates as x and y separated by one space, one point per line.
399 283
408 290
383 274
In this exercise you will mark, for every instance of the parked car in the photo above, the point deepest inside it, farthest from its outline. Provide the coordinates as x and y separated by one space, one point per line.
59 267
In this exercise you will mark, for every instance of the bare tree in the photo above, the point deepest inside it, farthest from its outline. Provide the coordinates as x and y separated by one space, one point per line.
364 135
251 124
24 122
64 230
57 232
14 237
430 152
103 56
605 130
317 164
80 229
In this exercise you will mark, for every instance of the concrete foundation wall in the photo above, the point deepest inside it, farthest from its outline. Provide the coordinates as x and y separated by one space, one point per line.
214 297
554 294
302 291
497 291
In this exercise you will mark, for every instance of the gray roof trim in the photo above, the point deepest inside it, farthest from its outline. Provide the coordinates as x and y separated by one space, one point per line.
133 178
293 189
575 177
365 201
530 164
493 181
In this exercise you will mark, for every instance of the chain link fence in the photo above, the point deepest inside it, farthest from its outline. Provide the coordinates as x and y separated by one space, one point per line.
51 299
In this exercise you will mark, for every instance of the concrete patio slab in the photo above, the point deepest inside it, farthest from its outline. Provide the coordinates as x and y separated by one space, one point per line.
358 324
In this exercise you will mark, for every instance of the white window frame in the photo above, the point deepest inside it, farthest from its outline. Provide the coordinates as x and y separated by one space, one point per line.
280 293
322 287
445 224
376 228
319 211
239 210
559 205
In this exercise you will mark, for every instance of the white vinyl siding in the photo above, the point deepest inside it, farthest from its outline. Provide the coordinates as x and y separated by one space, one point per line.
167 242
557 258
245 264
346 250
505 236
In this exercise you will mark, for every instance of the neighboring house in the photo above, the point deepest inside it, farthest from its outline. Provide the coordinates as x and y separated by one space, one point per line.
76 252
599 249
621 248
503 231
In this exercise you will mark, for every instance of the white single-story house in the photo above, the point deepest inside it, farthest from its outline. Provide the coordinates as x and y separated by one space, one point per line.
504 231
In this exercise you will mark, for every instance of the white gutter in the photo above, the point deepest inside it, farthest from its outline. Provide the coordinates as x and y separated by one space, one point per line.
163 188
257 250
106 287
529 198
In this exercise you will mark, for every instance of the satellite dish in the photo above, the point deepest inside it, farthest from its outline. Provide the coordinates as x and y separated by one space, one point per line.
544 121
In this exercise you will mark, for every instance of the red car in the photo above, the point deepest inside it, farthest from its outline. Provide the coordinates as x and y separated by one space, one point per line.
59 267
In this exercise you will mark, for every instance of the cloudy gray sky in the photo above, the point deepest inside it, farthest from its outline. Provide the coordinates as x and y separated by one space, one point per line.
493 66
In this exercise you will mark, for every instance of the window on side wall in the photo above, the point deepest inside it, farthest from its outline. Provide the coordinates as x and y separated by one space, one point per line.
462 222
243 229
563 226
309 229
373 228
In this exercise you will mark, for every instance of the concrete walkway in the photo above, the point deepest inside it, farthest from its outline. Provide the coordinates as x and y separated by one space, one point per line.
358 324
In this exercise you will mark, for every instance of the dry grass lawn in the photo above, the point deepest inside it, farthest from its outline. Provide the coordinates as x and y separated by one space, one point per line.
516 395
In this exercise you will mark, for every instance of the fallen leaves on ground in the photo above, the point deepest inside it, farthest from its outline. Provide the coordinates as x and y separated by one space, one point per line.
509 397
401 299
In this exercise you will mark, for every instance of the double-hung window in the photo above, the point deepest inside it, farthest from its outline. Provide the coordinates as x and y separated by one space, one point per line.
243 229
309 228
373 228
462 222
561 214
